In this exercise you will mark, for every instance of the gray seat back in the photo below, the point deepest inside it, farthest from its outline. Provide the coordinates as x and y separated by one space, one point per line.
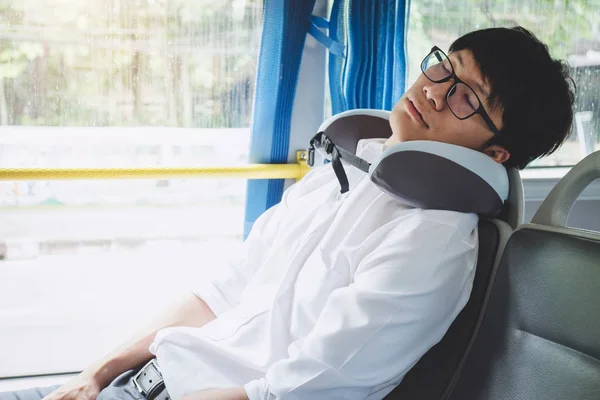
540 336
513 211
435 373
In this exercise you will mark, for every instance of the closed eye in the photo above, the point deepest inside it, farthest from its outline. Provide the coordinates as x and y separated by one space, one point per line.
468 100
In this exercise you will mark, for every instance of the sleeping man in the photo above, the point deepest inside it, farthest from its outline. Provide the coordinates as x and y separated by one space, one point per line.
337 295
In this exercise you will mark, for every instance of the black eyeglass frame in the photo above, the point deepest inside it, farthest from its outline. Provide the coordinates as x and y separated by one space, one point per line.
480 110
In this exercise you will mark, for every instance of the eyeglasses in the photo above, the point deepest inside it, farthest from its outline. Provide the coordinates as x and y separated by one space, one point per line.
461 99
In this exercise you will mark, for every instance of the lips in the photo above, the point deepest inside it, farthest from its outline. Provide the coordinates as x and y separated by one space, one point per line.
415 113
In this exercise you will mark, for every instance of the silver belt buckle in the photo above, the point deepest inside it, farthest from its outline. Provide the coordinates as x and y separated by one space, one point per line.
152 365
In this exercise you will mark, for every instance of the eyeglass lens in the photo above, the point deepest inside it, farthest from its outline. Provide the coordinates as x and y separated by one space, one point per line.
461 99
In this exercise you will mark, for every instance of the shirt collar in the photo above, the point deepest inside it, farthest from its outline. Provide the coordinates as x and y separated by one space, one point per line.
370 149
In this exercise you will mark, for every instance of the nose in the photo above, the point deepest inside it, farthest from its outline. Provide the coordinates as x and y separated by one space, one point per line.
436 93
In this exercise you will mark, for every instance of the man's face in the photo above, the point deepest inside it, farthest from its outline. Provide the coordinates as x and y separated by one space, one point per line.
423 114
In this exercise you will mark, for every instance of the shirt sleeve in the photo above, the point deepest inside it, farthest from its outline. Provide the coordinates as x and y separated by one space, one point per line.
222 288
405 294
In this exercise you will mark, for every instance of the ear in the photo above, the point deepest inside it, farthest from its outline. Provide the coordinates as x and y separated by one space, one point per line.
497 153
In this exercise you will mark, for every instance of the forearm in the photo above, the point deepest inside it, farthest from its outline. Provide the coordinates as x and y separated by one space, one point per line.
190 311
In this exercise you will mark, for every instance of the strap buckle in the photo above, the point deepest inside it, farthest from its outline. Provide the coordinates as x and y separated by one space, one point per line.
328 145
315 142
151 371
319 140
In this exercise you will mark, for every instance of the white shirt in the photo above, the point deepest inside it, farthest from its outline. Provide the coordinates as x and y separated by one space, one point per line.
336 295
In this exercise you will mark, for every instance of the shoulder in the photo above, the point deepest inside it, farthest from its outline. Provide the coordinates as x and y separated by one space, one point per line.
429 247
420 223
462 224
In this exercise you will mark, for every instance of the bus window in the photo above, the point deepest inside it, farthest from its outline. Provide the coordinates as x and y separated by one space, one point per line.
115 83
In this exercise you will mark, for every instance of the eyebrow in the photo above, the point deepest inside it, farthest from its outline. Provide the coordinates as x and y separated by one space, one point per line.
477 85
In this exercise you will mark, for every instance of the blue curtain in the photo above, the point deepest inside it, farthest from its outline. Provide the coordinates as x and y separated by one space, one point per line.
286 23
373 72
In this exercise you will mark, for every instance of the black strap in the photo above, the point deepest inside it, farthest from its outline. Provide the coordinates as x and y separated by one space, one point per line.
354 160
338 168
337 153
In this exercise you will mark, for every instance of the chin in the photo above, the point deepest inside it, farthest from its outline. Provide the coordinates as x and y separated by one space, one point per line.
397 126
396 137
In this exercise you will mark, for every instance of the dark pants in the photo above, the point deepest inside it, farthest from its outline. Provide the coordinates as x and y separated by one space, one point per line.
120 389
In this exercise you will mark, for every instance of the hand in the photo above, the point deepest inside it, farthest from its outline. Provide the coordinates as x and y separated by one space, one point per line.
218 394
82 387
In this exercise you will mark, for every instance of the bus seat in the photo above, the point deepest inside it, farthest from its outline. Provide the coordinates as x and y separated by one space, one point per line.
513 211
432 377
540 335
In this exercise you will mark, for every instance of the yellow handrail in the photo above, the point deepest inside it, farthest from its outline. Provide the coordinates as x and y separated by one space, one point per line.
249 171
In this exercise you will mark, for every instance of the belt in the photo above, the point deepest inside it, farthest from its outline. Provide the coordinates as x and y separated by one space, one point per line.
149 382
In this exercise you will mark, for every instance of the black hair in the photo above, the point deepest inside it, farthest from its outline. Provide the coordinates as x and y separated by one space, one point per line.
532 90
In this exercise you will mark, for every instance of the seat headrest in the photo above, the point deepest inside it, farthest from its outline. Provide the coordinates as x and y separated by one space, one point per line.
425 174
555 209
